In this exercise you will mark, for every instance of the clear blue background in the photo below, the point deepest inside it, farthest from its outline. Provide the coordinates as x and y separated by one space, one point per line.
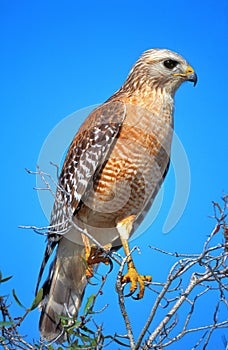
57 57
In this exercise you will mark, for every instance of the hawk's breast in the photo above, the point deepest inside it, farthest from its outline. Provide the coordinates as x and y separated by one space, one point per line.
134 169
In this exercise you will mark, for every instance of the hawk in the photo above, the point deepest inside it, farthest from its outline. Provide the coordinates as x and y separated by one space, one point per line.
113 170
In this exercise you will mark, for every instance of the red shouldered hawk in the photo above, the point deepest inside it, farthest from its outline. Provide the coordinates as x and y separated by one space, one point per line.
112 172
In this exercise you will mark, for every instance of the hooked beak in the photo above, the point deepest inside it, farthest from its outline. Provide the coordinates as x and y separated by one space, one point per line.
189 75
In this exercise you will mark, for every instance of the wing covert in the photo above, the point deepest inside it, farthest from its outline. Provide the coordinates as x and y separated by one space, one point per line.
86 155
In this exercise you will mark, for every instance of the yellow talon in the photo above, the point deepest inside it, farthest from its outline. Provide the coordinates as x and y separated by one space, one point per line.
124 227
97 256
94 256
135 278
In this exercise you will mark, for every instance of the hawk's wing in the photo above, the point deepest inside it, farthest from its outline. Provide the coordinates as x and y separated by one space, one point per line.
86 155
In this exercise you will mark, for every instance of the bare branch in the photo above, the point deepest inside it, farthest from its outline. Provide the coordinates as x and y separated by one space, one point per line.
191 277
120 288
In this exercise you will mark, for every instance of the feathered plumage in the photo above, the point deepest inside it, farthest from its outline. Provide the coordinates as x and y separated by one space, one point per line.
111 175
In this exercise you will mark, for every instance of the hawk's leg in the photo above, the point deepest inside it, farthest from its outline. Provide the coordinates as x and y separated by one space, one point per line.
95 255
125 227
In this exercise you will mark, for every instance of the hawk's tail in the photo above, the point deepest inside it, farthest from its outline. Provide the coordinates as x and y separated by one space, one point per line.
64 290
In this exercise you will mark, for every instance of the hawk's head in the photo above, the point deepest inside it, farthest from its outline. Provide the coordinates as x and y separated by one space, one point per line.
161 68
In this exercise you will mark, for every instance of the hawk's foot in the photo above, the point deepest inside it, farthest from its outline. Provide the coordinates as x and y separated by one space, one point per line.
96 256
136 281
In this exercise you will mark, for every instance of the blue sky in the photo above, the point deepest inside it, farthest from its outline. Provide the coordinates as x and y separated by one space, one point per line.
59 57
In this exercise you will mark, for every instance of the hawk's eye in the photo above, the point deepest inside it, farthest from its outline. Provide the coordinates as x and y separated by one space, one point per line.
170 64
